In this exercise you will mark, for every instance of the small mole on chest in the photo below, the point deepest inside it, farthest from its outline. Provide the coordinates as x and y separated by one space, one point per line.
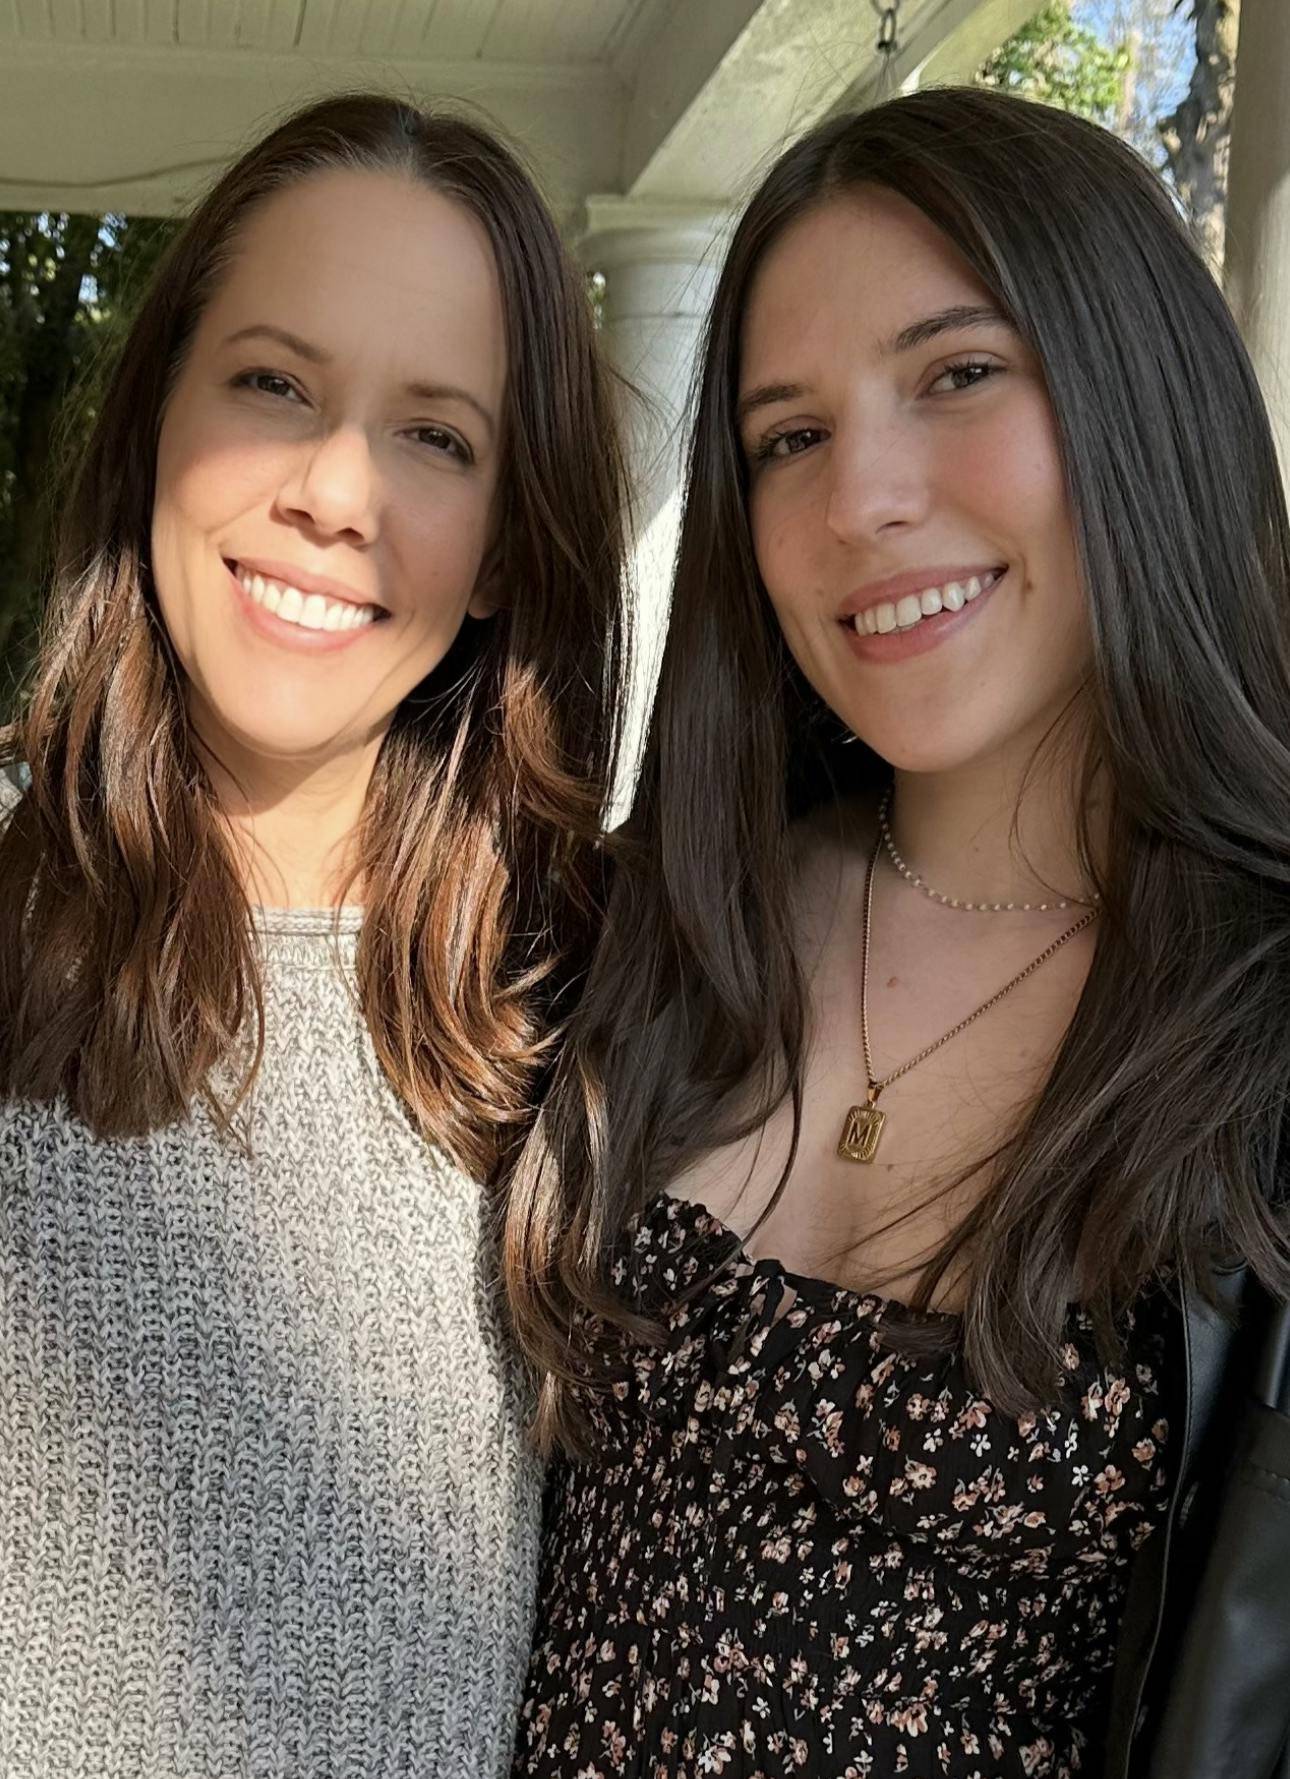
893 982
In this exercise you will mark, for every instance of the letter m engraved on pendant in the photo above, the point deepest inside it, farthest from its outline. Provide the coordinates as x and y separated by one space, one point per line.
861 1133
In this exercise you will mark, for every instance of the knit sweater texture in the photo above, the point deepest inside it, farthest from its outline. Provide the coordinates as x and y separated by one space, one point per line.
265 1503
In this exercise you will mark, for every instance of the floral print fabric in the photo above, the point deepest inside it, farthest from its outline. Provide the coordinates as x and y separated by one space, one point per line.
800 1553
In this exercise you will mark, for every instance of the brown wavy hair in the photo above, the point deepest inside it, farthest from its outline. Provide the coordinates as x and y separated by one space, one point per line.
127 962
1160 1136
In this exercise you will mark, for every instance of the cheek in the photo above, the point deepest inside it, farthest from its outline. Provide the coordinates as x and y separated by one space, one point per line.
206 478
786 535
1012 478
439 536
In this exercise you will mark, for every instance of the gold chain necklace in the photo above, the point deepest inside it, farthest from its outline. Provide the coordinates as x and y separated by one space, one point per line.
862 1131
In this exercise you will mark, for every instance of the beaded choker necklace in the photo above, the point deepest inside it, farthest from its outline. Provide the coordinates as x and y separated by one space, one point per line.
916 882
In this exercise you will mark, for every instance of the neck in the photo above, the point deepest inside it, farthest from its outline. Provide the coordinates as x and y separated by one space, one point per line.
294 823
992 831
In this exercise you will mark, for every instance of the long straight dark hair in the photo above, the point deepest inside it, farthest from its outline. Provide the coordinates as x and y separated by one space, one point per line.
127 961
1159 1134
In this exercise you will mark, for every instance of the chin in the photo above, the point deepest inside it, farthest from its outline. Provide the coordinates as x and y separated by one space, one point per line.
941 752
281 736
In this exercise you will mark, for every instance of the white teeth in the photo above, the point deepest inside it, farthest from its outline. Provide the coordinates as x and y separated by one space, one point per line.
312 611
904 613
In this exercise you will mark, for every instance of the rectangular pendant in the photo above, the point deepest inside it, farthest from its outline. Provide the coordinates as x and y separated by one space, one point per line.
861 1133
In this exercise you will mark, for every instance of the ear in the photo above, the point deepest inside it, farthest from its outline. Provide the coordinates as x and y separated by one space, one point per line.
489 598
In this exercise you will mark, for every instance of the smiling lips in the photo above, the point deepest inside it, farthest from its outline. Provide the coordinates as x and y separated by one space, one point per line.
886 616
311 611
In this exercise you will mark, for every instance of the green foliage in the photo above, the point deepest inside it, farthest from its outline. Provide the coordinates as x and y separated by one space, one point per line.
67 284
1055 60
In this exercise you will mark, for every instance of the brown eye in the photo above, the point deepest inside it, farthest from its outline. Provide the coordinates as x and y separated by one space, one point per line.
964 376
267 383
788 444
439 439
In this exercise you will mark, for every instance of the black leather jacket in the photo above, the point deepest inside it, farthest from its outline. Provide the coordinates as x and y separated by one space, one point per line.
1202 1682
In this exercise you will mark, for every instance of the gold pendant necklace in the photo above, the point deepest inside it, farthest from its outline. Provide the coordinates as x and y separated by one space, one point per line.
863 1127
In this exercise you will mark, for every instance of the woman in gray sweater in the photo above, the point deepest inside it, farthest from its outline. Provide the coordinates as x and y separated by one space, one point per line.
297 856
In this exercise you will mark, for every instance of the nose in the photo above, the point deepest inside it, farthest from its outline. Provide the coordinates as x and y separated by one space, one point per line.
332 487
879 483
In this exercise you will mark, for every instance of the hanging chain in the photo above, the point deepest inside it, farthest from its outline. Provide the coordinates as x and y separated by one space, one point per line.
888 14
888 44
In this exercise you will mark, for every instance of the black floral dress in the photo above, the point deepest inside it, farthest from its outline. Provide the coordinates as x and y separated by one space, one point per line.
803 1554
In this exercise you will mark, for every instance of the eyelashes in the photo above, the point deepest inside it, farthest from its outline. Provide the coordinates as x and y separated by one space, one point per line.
985 367
973 372
768 446
255 380
440 441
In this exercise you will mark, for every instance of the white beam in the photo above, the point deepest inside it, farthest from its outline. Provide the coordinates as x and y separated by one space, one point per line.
943 46
728 83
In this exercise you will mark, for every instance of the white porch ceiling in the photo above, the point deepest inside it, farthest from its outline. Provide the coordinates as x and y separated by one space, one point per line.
134 104
517 30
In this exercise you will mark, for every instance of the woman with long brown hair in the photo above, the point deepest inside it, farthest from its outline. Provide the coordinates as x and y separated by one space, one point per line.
933 1066
297 874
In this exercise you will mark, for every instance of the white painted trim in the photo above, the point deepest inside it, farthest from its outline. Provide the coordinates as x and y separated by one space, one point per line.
611 213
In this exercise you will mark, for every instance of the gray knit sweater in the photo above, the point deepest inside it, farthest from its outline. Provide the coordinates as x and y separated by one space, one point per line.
265 1506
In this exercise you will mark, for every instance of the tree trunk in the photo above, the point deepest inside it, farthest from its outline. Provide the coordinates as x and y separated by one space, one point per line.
1197 135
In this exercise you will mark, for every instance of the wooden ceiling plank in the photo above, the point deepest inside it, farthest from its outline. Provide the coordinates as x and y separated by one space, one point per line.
286 20
584 30
66 21
514 34
252 30
570 31
34 20
314 34
378 28
159 24
99 23
222 20
409 28
128 19
192 23
626 42
457 29
347 24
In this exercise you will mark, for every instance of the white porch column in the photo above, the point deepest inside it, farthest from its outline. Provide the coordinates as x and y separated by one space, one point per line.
1257 265
660 263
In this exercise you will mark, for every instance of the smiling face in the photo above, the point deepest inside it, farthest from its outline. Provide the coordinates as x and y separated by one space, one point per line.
327 465
907 500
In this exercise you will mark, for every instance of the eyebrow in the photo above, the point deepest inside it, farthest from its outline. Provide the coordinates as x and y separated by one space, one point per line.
945 321
918 333
312 354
